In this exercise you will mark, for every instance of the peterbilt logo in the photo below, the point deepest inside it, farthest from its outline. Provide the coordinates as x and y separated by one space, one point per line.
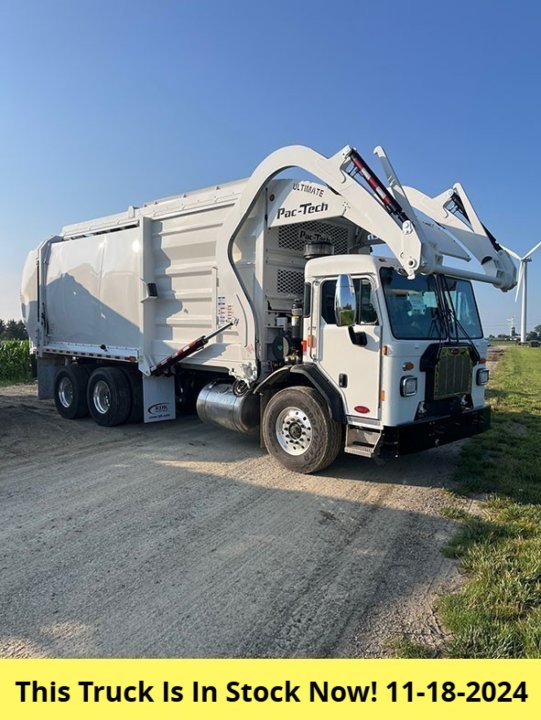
303 209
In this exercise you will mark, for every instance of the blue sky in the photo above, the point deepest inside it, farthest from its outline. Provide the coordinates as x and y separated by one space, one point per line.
109 104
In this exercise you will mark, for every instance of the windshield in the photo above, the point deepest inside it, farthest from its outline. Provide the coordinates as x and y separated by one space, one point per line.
429 307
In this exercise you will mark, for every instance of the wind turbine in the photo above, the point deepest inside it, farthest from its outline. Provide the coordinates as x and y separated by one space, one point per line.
523 279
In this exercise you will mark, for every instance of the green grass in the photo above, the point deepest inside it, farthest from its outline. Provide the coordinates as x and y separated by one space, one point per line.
14 362
497 614
405 648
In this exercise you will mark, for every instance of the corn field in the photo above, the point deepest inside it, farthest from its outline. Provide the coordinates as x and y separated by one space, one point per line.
14 361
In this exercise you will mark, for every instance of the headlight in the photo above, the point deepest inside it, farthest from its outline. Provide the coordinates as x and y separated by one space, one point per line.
482 376
408 386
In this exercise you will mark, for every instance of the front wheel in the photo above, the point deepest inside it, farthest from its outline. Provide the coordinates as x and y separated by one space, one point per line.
299 431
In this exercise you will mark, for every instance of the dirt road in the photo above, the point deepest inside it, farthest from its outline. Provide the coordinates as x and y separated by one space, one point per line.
180 540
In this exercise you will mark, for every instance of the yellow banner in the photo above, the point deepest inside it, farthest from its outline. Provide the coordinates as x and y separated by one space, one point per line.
186 689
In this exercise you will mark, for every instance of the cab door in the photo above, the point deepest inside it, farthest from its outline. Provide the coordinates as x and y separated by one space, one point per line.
354 368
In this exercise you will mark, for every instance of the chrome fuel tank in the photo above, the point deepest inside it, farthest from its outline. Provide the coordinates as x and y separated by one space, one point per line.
217 404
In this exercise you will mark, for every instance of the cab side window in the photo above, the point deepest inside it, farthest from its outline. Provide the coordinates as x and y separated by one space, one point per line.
366 311
328 289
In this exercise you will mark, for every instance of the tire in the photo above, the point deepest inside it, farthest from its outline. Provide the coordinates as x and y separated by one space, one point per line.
70 386
109 396
135 380
299 431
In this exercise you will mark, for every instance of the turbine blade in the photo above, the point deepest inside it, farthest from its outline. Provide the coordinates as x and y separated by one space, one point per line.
519 282
511 252
531 252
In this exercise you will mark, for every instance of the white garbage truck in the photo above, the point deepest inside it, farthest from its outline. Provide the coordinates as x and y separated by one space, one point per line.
264 305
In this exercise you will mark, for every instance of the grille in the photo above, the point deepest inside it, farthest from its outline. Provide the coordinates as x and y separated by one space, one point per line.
290 282
453 373
292 237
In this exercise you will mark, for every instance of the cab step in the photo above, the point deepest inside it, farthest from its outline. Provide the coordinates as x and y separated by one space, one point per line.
360 441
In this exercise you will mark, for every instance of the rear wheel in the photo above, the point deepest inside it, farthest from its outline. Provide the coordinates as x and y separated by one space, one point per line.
109 396
299 431
70 391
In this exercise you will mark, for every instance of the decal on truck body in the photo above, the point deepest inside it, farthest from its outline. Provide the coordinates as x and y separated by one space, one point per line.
312 189
303 209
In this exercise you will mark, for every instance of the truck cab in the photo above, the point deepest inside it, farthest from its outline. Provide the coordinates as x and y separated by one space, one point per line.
400 362
419 342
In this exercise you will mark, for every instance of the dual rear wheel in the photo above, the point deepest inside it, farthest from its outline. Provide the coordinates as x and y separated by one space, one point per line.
111 395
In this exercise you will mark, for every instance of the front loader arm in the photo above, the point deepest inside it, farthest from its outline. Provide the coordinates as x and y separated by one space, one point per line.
453 211
387 213
363 208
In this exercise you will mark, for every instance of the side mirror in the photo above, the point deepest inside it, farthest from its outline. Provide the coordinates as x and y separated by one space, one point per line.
345 301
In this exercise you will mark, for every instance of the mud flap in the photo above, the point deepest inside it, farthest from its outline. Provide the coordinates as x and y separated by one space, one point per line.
159 398
47 367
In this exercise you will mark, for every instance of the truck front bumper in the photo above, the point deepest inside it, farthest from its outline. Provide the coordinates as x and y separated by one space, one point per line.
426 434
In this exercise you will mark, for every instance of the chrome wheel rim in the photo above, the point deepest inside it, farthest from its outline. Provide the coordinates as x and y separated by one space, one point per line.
101 396
293 431
65 392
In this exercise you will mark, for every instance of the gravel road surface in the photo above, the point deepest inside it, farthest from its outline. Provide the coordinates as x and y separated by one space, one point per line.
179 540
